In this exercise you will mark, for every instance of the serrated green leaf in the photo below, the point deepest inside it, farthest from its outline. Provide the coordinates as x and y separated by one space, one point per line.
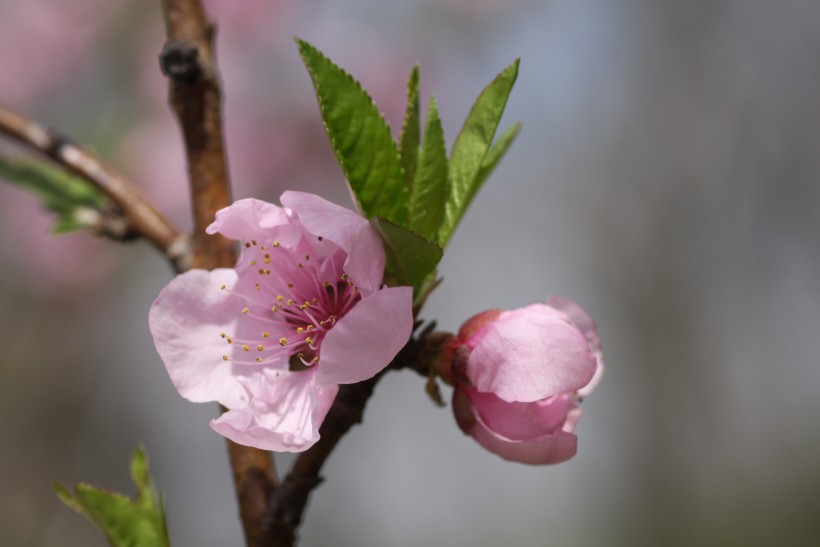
124 522
59 191
431 187
360 138
411 130
497 151
471 147
410 257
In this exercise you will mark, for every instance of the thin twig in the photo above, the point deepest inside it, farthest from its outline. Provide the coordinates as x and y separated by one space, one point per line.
195 95
290 498
143 218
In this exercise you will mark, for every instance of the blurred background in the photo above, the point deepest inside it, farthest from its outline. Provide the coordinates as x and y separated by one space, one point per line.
667 178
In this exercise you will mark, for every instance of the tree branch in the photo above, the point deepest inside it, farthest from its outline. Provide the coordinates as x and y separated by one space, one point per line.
290 498
143 219
196 97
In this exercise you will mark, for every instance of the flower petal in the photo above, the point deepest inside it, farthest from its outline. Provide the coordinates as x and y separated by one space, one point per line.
348 230
530 354
185 321
552 448
581 319
254 219
367 338
520 421
284 415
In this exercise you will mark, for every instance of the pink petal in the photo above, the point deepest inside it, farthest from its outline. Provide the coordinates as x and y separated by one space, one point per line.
586 325
530 354
348 230
520 421
579 317
284 415
367 338
185 321
552 448
253 219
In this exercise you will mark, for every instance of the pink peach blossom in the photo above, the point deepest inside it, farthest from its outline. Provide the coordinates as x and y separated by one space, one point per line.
520 375
302 311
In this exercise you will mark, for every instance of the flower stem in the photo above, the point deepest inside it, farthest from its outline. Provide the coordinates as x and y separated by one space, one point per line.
196 97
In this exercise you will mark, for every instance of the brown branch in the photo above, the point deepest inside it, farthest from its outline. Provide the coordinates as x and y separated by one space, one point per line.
196 97
142 217
290 498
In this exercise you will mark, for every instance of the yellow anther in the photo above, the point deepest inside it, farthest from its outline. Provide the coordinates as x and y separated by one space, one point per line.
223 287
253 262
230 340
258 287
263 247
299 330
274 309
315 301
246 347
345 276
291 302
309 328
265 335
283 341
309 340
253 241
245 310
222 334
267 260
279 298
224 357
260 347
275 244
258 359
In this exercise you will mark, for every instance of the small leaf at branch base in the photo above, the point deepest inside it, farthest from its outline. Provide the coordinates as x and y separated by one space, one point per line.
410 257
411 130
60 192
472 145
124 522
360 138
431 187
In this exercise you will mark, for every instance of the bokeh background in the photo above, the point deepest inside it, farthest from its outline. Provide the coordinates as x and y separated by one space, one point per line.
667 178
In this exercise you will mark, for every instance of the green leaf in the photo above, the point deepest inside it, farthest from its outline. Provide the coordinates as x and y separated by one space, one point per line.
359 137
471 147
497 151
411 130
410 257
61 192
431 186
124 522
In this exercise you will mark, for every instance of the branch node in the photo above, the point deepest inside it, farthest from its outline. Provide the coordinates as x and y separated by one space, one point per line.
179 61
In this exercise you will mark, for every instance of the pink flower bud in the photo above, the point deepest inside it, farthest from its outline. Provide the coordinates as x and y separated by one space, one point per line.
520 375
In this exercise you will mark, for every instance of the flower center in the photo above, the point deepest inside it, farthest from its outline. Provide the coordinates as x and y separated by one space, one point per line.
289 303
